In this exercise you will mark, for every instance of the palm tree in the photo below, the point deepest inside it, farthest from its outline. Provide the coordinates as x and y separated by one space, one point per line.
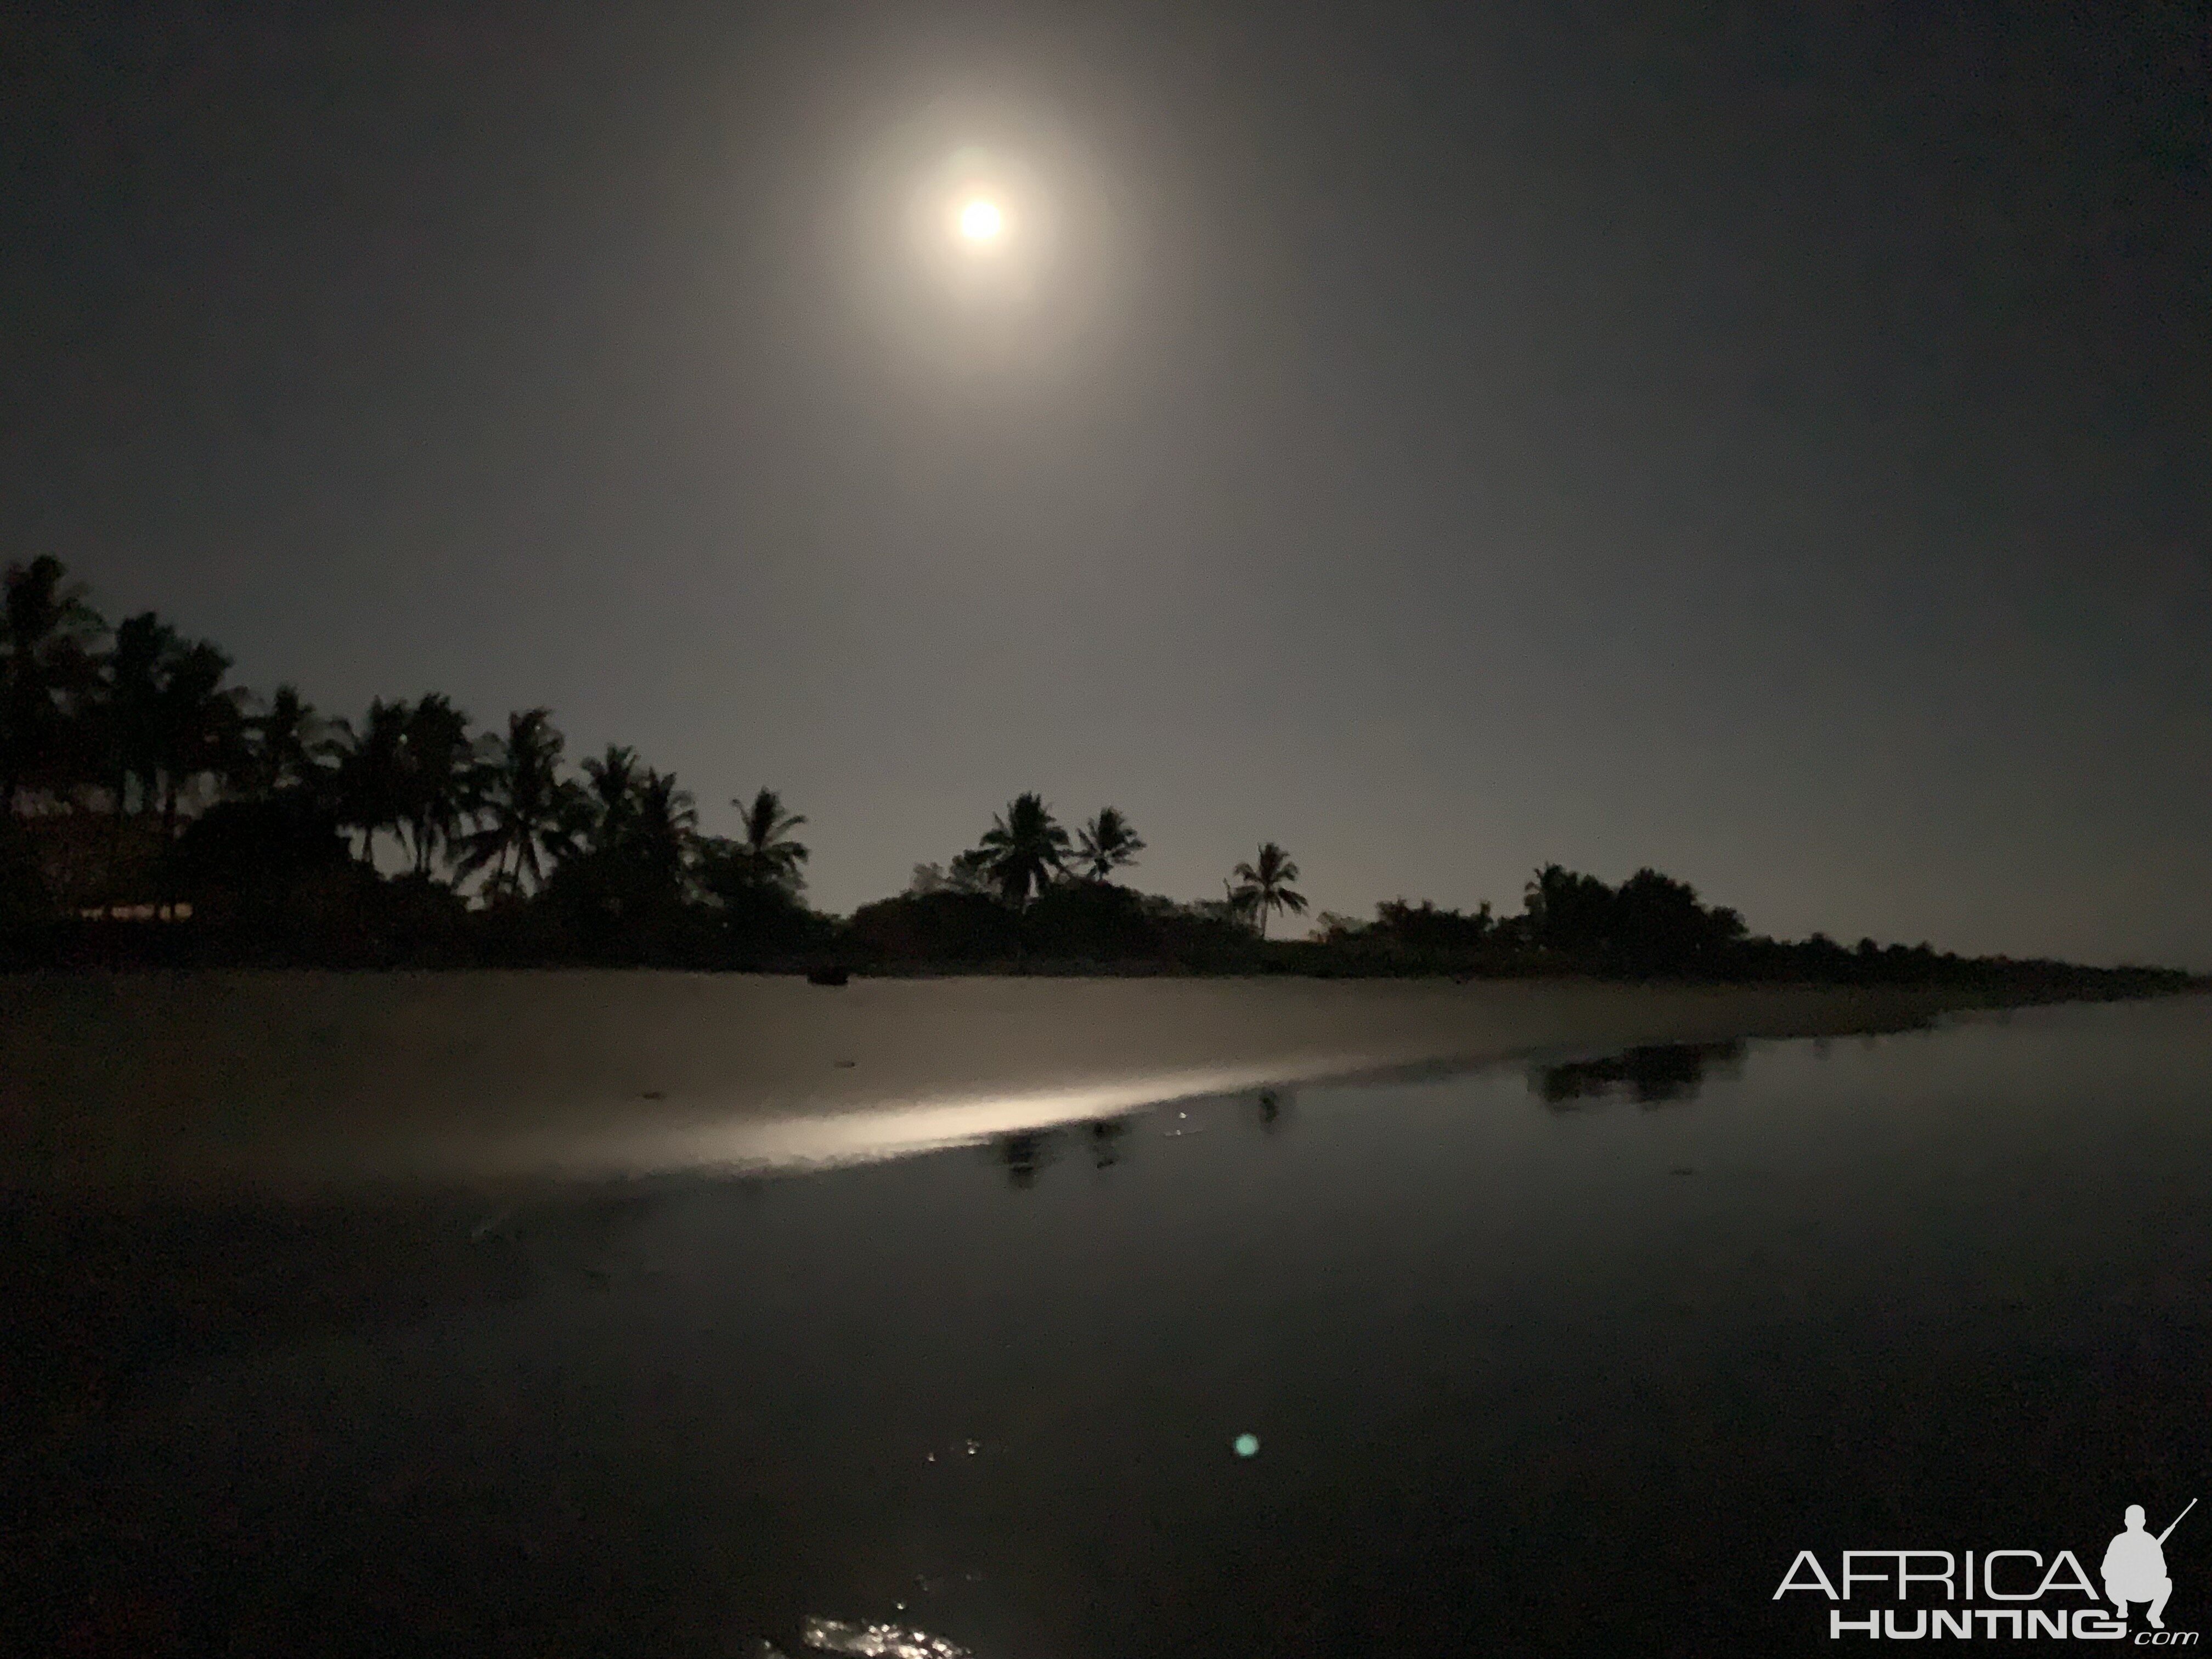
1023 850
764 854
1108 843
46 634
613 779
439 777
1266 885
131 714
527 808
662 829
372 773
201 729
636 831
290 741
164 717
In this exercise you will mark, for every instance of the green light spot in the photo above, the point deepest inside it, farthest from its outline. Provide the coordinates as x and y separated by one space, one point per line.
1248 1445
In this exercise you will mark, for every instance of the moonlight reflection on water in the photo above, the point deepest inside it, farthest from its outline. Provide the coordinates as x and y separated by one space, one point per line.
1520 1390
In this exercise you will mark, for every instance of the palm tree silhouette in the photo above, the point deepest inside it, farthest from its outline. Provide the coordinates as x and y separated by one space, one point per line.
1266 885
764 854
164 719
201 729
46 636
289 743
527 808
663 825
613 779
129 716
1108 843
439 776
1023 849
372 773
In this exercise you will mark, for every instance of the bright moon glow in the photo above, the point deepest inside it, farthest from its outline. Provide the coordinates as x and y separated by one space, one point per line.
980 221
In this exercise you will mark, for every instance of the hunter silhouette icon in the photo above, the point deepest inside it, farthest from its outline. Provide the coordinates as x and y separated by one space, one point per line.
2135 1566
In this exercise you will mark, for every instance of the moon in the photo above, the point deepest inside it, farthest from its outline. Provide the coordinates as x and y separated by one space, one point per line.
982 222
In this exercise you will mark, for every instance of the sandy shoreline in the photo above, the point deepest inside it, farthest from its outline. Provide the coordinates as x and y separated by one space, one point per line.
191 1081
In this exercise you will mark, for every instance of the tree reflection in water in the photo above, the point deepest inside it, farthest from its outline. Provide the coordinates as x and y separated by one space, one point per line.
1024 1153
1107 1135
1659 1074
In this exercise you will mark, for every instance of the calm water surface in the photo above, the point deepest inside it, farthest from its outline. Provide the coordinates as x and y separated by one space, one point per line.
1566 1359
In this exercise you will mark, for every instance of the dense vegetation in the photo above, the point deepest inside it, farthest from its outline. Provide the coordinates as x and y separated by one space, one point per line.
155 813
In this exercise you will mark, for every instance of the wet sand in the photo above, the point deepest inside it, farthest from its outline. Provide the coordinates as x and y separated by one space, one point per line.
1530 1371
192 1082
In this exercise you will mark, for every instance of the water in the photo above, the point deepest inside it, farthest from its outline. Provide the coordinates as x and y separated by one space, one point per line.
1572 1361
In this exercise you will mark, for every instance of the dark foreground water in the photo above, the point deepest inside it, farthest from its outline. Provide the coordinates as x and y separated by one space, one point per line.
1570 1360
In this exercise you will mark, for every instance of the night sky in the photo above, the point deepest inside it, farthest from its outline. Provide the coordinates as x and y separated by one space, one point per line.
1766 443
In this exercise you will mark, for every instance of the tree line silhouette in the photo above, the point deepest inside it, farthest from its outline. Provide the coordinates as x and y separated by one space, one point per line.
151 811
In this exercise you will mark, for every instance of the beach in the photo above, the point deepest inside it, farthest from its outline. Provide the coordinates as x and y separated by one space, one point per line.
185 1083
